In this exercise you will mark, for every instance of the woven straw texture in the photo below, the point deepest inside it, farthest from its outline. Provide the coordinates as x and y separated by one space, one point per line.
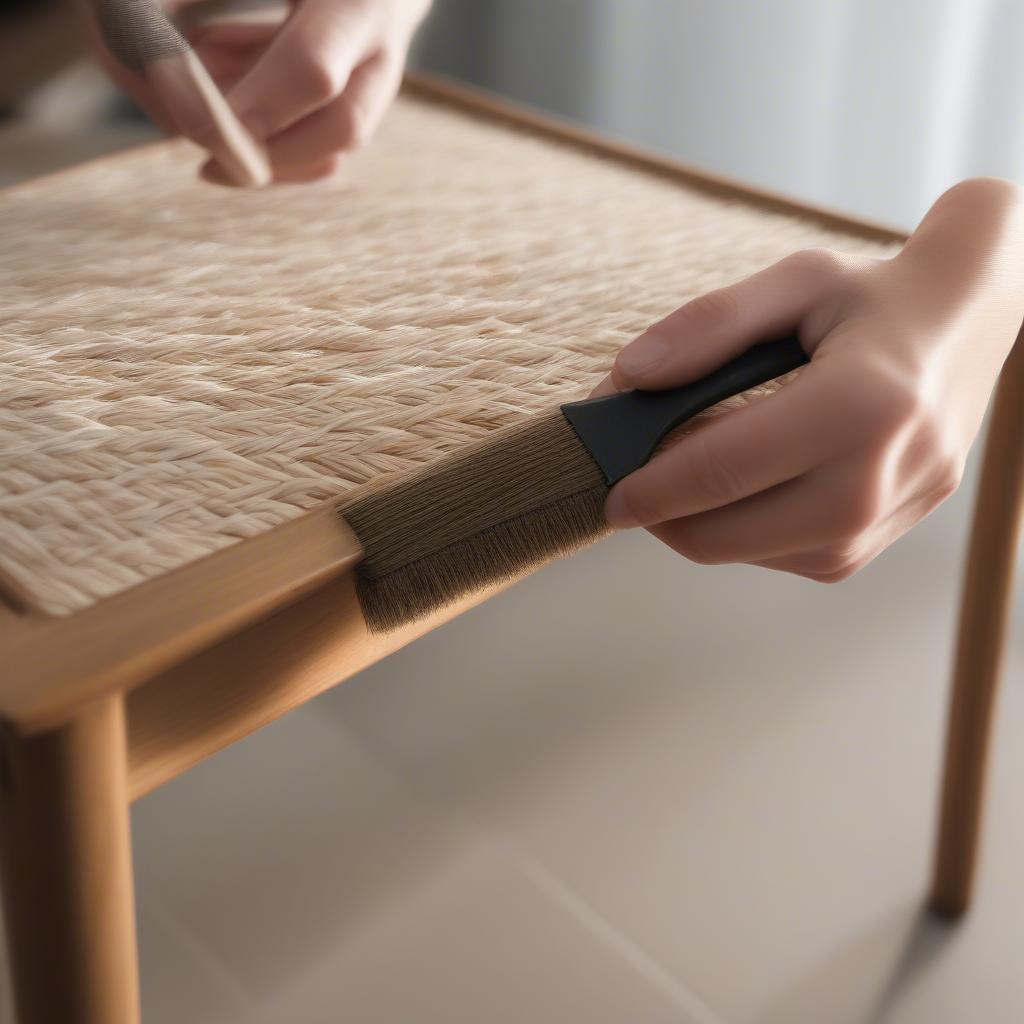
185 366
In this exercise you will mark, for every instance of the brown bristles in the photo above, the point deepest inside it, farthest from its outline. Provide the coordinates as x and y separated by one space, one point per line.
138 32
480 516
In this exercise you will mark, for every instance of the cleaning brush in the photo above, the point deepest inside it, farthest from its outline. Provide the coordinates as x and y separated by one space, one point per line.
525 494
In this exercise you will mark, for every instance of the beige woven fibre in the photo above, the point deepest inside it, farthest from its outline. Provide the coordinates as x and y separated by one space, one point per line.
185 365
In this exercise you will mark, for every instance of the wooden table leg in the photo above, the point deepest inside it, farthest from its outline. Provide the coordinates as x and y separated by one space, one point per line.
983 618
68 891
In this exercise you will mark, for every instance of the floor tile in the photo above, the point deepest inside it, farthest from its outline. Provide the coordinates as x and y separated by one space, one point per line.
738 769
281 850
481 941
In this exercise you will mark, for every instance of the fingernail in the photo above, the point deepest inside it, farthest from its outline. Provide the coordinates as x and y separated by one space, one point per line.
617 512
642 356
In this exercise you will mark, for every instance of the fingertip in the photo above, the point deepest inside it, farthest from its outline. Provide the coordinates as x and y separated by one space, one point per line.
618 512
211 171
214 174
641 360
605 388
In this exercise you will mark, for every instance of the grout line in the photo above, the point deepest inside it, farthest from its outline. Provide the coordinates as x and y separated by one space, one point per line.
166 919
551 885
638 958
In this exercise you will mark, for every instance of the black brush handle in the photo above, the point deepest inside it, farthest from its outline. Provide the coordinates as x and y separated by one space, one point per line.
622 431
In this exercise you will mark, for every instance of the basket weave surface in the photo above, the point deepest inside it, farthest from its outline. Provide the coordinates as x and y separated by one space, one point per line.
185 365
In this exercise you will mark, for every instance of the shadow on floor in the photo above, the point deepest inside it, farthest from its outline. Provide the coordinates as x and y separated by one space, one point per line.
868 978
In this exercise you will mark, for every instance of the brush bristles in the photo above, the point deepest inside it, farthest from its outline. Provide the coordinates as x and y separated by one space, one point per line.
138 32
481 516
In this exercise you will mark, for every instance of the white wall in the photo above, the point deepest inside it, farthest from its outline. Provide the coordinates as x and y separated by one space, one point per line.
873 106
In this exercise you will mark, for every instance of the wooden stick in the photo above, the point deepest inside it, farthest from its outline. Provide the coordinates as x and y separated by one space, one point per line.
67 875
983 619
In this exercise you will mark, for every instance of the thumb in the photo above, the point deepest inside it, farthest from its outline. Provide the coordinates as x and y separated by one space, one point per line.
714 327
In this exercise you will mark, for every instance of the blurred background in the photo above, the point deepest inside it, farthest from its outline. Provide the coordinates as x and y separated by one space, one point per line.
629 789
871 106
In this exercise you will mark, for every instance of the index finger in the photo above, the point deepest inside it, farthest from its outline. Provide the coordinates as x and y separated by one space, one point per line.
738 454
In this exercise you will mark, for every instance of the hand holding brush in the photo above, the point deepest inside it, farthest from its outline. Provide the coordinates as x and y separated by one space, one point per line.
815 479
529 493
821 477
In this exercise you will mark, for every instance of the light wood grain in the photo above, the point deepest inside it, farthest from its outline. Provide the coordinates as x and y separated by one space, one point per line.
68 896
245 682
984 613
52 666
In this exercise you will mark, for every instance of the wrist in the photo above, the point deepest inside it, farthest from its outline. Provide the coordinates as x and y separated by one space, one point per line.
964 265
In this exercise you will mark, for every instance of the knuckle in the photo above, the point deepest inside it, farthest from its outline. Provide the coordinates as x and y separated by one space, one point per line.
929 430
839 562
319 79
907 406
356 127
711 308
833 565
946 461
715 481
820 264
845 279
887 405
854 515
846 544
949 473
930 446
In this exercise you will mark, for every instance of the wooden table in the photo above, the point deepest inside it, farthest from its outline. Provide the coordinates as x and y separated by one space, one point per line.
100 707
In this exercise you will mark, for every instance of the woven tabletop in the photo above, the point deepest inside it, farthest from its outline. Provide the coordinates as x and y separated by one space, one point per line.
185 365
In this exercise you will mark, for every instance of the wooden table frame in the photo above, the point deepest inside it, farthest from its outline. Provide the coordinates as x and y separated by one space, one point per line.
101 707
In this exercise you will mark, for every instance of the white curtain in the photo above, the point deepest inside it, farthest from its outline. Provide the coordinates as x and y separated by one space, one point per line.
873 106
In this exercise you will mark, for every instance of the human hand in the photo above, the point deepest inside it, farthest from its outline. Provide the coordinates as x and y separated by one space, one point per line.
820 477
311 82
